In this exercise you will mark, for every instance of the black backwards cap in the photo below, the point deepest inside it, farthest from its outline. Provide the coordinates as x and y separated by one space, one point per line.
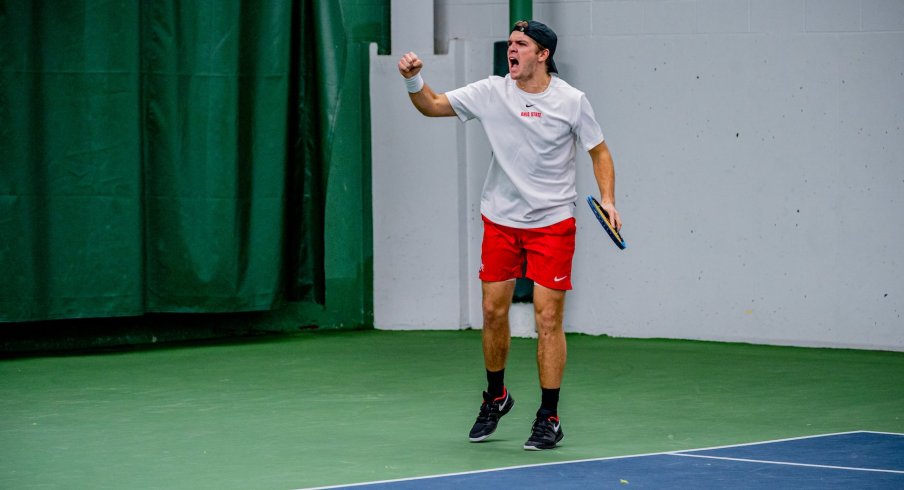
544 36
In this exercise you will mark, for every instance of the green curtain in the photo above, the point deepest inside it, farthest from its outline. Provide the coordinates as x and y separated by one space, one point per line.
71 226
166 156
214 88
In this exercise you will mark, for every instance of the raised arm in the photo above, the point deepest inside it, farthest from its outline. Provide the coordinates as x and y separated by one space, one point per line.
428 102
604 171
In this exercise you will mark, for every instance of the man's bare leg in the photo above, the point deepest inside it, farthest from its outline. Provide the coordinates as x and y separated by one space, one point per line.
497 300
549 311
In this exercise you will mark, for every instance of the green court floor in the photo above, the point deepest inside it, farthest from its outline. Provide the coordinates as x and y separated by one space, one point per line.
326 408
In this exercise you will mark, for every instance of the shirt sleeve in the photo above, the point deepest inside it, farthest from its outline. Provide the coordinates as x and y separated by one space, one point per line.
469 101
586 128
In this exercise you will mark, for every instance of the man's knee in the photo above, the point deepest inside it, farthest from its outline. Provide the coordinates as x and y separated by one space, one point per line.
549 310
549 320
495 314
497 299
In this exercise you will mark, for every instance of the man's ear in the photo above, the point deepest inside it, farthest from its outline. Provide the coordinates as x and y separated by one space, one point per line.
544 55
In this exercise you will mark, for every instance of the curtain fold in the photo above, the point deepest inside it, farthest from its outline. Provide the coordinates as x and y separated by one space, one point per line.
306 176
215 87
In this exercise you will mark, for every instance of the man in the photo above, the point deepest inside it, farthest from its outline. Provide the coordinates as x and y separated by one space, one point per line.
534 121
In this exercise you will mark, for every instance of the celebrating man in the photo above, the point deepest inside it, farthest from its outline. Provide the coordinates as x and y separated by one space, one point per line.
534 120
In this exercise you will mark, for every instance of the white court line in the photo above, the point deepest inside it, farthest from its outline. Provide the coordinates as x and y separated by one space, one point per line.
610 458
785 463
788 439
879 432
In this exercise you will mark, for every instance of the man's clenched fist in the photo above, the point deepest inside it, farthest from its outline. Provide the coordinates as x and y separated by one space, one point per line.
410 65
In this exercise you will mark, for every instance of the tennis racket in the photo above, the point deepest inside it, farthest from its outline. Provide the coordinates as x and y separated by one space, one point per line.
603 218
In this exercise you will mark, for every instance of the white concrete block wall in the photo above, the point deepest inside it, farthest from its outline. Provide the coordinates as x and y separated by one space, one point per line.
749 136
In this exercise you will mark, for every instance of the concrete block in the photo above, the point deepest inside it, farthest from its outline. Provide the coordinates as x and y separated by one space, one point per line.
475 21
832 15
720 16
670 17
777 16
883 15
566 18
617 18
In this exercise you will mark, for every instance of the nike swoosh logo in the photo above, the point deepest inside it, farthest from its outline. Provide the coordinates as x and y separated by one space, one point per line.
504 403
529 105
555 427
559 279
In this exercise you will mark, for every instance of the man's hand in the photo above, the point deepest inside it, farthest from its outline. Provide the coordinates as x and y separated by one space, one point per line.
614 218
410 65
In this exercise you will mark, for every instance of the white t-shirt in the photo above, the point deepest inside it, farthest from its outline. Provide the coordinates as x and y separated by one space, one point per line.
530 183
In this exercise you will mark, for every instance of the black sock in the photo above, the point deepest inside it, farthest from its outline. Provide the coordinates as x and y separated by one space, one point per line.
495 382
549 403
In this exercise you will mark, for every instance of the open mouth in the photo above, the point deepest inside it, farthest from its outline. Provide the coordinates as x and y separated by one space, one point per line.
513 62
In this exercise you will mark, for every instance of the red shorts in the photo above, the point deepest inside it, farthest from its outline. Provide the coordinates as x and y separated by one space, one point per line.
547 253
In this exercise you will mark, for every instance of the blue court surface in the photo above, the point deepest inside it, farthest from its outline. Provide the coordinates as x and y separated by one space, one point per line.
850 460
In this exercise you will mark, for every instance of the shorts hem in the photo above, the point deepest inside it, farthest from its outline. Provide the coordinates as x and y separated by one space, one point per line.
557 287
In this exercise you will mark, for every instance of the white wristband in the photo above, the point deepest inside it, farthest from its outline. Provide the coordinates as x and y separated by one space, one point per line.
414 84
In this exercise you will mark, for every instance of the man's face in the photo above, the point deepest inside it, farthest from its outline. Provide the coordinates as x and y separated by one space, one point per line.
523 58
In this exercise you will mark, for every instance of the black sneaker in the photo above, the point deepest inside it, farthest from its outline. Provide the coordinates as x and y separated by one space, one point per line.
545 434
491 410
